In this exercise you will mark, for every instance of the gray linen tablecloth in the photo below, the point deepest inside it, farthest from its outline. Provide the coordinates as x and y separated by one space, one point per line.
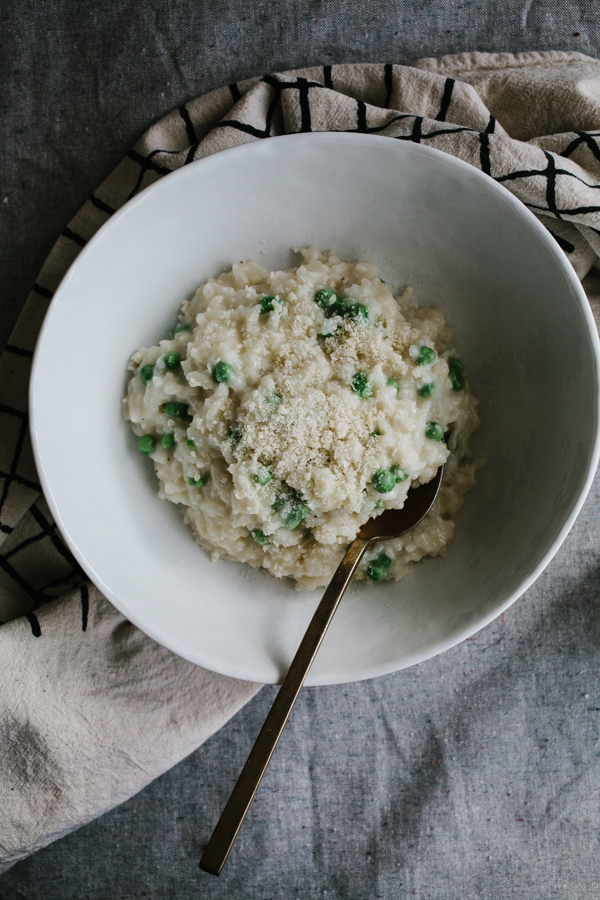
473 775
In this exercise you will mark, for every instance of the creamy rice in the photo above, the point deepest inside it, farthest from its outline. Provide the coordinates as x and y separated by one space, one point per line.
290 407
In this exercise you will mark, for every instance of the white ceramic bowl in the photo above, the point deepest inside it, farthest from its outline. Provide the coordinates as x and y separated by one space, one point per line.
521 323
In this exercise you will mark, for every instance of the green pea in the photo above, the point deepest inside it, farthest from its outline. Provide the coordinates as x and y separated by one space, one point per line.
426 390
222 372
342 306
325 298
384 481
297 512
393 382
361 385
181 326
235 434
456 374
263 476
146 444
146 373
266 304
198 482
377 568
434 431
273 400
359 311
278 505
190 443
398 473
168 441
176 408
260 537
172 359
426 356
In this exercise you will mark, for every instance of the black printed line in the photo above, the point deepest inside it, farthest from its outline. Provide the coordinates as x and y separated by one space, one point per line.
595 187
303 88
101 205
11 411
158 152
446 98
484 153
388 78
567 246
43 292
491 126
189 125
60 547
190 154
6 529
19 580
271 112
72 236
251 129
416 130
56 582
579 211
417 133
573 145
375 129
41 519
26 482
361 117
50 529
18 351
576 211
235 92
242 126
291 85
327 80
85 606
584 137
35 625
138 183
268 79
528 173
148 163
521 173
15 462
551 185
26 543
440 131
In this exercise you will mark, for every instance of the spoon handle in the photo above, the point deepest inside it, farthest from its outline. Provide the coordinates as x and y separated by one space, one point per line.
223 837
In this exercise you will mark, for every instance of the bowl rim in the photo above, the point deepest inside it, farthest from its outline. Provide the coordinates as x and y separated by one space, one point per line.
242 671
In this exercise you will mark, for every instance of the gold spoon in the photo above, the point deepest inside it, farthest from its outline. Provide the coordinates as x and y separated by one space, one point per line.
390 524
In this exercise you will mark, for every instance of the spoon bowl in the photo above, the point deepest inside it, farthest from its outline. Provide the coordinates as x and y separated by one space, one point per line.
394 522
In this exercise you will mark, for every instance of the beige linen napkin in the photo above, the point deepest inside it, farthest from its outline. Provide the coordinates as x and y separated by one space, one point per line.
91 709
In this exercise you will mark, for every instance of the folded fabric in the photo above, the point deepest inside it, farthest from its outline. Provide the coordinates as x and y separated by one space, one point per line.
91 709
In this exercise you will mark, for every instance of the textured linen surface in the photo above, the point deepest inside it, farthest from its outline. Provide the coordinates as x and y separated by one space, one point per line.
90 709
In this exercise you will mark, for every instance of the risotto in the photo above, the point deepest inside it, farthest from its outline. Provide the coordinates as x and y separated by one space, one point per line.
288 408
